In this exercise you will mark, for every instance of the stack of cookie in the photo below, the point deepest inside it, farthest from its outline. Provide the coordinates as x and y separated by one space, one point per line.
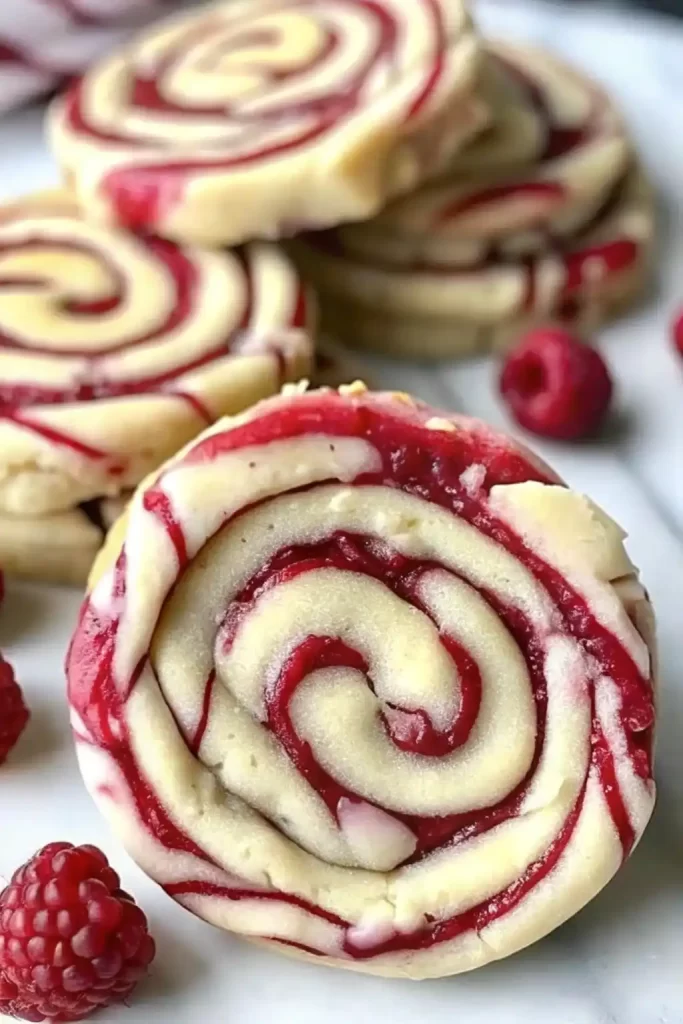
127 321
546 216
127 325
115 350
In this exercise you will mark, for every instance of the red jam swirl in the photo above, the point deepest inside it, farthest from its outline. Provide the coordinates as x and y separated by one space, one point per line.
142 195
577 255
94 379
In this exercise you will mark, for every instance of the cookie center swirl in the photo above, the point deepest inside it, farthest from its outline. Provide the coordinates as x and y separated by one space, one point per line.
264 65
254 84
410 728
68 282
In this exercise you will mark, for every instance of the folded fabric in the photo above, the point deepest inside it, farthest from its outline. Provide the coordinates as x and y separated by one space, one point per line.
44 42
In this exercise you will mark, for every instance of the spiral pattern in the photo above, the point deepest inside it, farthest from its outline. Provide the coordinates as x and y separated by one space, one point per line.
555 154
387 700
254 118
116 350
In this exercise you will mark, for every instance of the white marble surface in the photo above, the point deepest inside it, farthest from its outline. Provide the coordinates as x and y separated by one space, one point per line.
621 960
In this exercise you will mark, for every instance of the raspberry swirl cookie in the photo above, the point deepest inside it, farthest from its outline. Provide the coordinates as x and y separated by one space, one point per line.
440 311
255 118
386 702
545 217
116 350
552 158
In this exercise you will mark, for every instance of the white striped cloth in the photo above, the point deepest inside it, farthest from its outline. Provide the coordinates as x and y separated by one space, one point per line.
44 42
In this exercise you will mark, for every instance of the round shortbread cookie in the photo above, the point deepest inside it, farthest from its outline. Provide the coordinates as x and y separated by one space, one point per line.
116 350
387 701
434 338
441 311
256 118
60 547
554 154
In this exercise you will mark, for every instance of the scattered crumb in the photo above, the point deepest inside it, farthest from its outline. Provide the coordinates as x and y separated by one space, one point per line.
356 388
299 388
473 478
439 423
403 396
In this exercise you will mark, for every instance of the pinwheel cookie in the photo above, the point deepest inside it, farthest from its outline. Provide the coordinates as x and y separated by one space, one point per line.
546 217
386 702
114 352
255 118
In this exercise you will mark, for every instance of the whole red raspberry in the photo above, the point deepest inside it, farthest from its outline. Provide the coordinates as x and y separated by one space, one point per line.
555 385
677 331
71 940
13 712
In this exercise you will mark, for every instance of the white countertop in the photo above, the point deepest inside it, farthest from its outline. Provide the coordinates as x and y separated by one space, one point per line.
621 960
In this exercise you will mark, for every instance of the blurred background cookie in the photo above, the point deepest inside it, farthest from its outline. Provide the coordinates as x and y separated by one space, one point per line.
255 118
544 217
116 350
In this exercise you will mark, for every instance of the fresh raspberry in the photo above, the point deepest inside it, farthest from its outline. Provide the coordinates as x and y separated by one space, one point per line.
13 712
555 385
71 941
677 331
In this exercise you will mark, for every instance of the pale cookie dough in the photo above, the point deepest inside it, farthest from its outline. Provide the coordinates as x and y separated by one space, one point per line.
60 547
116 350
546 217
552 158
385 702
440 312
257 118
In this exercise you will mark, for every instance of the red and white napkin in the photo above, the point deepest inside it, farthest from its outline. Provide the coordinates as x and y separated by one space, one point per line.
44 42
